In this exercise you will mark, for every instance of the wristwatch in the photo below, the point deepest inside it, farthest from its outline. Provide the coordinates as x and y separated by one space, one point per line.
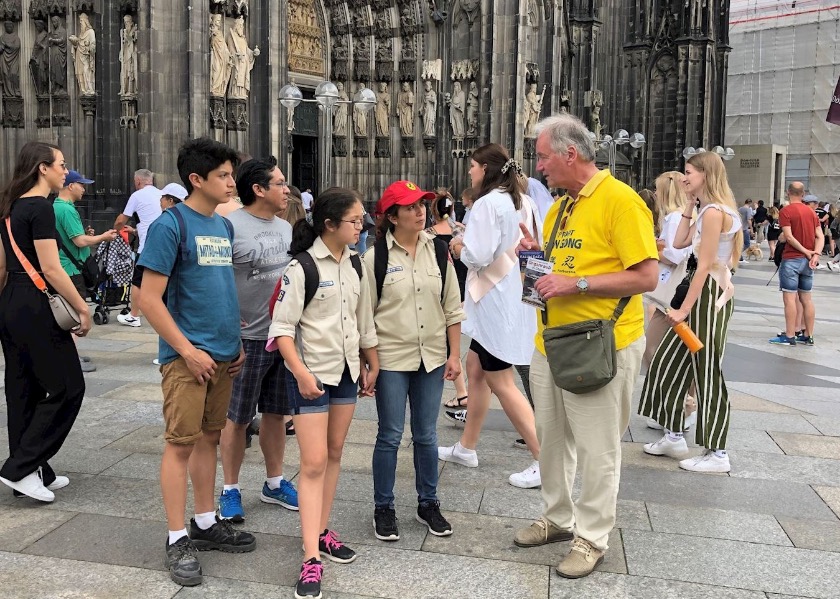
582 285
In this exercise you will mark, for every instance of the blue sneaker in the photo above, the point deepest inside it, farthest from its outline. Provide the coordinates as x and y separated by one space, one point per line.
230 506
285 495
783 339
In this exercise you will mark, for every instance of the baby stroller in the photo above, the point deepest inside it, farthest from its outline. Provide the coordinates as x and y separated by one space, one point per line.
116 265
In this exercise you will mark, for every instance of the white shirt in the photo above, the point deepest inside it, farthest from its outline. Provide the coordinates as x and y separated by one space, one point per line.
306 198
669 232
500 322
146 203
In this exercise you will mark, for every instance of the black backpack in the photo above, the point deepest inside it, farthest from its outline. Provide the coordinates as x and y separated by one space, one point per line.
777 255
380 263
311 278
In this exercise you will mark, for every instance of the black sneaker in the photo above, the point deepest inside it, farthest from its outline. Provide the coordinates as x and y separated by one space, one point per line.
429 514
222 536
805 340
385 524
520 443
182 562
333 549
309 583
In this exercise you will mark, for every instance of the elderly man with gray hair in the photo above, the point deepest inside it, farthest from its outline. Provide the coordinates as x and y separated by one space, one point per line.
604 256
145 203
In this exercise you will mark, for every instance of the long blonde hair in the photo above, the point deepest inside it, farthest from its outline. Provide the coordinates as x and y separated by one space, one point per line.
670 196
716 190
294 211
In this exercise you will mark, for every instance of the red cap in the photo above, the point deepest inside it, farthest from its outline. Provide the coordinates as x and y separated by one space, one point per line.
402 193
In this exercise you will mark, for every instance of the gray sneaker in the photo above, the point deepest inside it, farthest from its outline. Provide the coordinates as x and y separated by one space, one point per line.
182 562
87 366
541 532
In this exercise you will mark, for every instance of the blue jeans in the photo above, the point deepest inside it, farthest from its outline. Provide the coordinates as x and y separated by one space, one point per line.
424 390
796 274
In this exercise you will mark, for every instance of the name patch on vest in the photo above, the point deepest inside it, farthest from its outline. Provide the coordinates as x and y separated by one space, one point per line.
394 269
326 284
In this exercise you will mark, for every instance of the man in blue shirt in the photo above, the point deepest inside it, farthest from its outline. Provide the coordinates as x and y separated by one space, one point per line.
189 298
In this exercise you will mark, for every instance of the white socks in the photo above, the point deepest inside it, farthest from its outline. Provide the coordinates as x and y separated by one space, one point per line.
463 450
273 482
672 436
230 487
720 453
205 520
174 535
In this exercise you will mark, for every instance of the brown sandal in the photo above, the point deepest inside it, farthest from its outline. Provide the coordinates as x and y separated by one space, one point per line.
457 403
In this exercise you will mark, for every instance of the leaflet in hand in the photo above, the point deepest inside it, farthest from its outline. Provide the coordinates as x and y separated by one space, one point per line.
534 269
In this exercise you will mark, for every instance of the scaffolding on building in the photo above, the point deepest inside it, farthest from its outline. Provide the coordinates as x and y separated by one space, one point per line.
784 66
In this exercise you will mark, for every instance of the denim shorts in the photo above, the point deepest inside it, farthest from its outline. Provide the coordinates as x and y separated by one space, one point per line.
344 393
795 274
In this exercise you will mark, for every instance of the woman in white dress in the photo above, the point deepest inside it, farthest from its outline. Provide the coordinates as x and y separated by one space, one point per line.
502 331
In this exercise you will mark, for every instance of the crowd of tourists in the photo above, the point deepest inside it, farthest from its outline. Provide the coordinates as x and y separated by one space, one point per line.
306 316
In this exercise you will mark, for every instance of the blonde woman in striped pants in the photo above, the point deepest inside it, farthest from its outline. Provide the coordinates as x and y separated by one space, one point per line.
716 236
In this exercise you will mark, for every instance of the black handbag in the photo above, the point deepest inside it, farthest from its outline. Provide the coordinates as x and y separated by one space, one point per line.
682 289
89 268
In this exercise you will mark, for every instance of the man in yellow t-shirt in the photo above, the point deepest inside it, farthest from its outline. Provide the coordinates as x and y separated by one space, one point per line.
604 250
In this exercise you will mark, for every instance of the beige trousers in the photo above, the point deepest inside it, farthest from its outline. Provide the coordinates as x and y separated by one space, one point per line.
583 433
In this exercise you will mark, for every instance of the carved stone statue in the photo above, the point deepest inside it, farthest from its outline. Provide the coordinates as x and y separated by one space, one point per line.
472 110
340 112
220 61
39 63
465 8
533 106
10 61
383 110
360 126
58 57
242 61
290 119
84 56
405 108
457 104
429 109
595 114
128 57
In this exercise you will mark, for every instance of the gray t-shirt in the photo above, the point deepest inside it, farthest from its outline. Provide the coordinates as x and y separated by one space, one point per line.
746 214
260 255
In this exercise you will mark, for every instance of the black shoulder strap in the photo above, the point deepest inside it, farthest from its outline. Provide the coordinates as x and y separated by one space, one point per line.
442 256
70 257
356 261
311 276
229 227
549 246
380 264
183 252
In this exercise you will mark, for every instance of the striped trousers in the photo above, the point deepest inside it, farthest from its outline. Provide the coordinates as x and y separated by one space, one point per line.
674 368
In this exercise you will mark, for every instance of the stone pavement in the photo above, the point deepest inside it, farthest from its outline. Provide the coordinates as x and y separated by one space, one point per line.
769 529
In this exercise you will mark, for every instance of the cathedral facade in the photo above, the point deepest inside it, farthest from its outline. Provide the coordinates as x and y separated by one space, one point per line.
120 84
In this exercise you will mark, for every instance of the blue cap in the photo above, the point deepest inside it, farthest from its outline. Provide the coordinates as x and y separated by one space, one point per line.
811 199
75 177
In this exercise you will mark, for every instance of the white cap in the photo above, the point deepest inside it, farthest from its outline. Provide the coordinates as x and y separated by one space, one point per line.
175 190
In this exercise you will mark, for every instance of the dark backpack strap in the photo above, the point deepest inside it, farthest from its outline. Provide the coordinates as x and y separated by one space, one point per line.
442 256
70 257
229 227
549 246
356 261
380 265
183 251
311 276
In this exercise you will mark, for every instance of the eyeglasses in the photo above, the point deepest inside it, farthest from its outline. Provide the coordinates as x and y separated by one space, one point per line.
281 184
358 223
568 214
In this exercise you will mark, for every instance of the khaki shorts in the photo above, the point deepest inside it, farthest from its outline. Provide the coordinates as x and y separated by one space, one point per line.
190 408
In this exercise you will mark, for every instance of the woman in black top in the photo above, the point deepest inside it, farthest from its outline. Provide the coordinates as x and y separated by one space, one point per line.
773 230
44 382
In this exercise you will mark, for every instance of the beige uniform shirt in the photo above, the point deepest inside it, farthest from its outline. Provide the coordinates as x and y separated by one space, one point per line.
410 320
336 323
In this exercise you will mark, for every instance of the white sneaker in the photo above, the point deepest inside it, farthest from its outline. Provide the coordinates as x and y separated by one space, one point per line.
59 483
820 266
708 462
690 420
528 478
458 455
128 320
456 416
31 486
156 362
673 449
833 266
654 425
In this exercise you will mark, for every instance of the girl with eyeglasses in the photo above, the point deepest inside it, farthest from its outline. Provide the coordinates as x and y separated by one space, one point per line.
321 343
